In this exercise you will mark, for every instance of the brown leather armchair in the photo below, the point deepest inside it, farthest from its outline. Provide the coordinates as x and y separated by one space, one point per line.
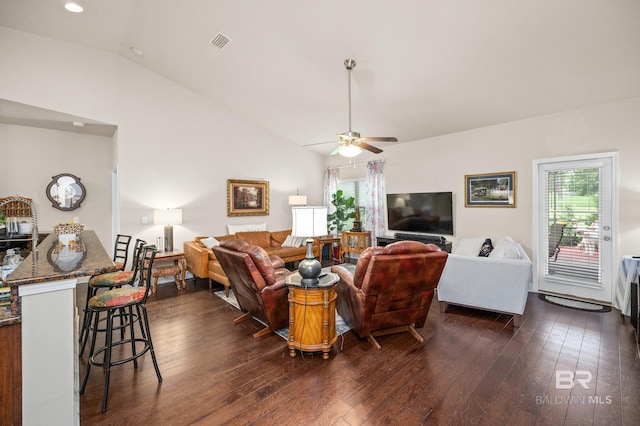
257 280
390 290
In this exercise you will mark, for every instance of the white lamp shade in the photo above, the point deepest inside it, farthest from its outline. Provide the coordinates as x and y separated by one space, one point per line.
167 217
309 221
297 200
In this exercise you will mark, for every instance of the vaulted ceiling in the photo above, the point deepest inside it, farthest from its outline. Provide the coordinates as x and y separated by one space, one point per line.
424 67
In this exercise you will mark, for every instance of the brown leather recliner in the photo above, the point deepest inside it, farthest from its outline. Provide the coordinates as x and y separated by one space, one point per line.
257 280
390 290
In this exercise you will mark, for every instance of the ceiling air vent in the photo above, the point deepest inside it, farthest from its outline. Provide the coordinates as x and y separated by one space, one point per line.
220 41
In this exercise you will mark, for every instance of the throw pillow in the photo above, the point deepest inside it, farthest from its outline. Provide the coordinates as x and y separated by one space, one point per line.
288 242
299 241
292 241
506 249
210 242
486 249
467 246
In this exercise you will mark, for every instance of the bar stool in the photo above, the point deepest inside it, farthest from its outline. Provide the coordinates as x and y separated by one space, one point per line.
120 257
112 303
109 280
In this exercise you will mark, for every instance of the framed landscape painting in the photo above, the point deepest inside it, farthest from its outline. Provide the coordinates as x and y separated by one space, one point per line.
247 197
490 190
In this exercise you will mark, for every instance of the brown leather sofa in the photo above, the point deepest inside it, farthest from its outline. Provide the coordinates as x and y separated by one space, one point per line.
257 280
391 288
202 262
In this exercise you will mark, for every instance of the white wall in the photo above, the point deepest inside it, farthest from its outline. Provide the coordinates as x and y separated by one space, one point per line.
174 148
36 155
440 164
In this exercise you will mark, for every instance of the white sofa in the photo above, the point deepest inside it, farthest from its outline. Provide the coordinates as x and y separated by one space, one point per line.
497 283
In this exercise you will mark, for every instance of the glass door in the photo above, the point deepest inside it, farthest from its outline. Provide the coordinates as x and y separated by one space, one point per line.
574 228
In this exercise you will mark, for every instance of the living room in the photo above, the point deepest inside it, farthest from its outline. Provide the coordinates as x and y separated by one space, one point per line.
174 147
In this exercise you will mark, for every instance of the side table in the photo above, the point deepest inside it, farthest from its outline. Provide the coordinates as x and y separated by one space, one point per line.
177 269
312 315
362 241
322 241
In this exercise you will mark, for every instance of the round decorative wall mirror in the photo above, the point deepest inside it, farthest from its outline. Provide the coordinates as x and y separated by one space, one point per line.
66 192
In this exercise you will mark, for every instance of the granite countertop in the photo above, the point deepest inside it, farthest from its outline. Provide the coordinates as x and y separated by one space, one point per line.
53 262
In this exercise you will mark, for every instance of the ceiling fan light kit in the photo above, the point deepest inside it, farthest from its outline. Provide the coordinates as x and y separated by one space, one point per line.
349 151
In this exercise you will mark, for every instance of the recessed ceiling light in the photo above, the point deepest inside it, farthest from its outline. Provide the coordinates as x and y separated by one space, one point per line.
73 7
78 124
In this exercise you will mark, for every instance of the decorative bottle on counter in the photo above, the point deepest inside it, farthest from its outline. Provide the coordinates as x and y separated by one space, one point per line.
10 263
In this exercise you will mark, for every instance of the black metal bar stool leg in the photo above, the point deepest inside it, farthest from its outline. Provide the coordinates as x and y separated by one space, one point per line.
107 359
153 352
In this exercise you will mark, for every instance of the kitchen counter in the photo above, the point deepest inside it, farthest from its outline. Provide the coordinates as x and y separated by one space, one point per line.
50 262
43 318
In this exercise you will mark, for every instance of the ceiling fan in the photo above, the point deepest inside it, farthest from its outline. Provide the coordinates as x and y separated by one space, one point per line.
351 143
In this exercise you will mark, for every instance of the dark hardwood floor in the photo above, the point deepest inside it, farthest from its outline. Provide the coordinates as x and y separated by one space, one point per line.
474 368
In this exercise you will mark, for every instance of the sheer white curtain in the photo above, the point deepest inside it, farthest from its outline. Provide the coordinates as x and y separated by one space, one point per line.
375 199
330 187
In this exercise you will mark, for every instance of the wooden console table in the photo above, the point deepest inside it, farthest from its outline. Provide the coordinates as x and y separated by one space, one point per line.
312 315
362 241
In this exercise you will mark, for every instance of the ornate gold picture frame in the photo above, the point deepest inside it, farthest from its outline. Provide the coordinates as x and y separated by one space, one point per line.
247 197
490 190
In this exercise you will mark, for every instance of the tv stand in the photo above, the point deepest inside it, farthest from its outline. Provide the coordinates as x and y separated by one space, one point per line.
427 239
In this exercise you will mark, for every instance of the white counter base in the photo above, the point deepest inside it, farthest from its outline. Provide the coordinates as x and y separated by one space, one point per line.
49 354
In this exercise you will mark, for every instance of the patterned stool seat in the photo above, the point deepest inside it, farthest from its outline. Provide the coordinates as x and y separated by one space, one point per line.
118 297
112 279
166 271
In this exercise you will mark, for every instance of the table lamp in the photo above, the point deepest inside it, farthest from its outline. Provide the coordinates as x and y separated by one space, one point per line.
308 222
168 218
297 200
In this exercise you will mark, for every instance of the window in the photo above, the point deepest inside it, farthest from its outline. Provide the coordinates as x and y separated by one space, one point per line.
573 207
356 188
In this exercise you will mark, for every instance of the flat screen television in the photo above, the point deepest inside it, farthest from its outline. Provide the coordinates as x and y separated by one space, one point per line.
421 212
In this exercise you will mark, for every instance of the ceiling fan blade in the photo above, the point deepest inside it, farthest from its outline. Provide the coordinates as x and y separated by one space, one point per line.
368 147
378 139
320 143
336 149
